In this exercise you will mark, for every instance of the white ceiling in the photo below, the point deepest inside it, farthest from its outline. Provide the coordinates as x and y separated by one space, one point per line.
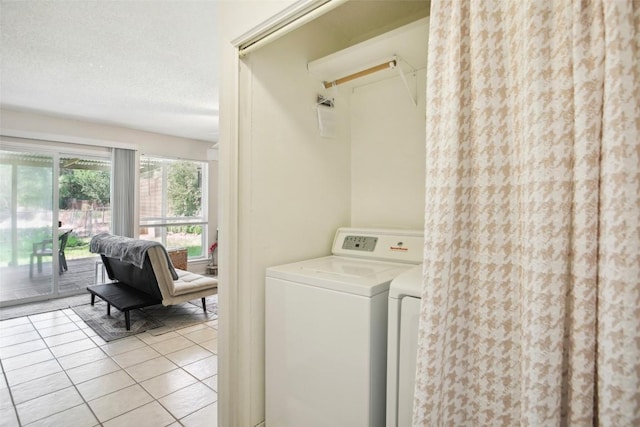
147 65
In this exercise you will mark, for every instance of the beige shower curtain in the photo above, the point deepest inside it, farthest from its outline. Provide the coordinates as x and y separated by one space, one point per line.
531 301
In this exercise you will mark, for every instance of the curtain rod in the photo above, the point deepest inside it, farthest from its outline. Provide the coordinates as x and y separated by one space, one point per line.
371 70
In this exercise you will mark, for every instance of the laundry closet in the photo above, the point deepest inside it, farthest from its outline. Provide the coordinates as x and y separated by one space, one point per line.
309 168
315 154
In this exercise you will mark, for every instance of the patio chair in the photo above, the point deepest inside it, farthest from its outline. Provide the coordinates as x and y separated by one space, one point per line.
45 248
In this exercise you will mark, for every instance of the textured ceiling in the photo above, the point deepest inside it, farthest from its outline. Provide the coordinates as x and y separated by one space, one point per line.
148 65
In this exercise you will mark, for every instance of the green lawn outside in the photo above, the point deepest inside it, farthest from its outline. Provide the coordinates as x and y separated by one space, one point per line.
78 247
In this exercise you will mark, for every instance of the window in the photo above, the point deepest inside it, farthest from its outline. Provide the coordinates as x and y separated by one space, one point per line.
173 203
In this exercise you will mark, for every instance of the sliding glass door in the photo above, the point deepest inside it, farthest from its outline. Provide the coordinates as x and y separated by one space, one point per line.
50 207
27 234
84 210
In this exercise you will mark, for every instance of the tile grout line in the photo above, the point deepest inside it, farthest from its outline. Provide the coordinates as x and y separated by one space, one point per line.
111 357
178 367
198 380
49 347
140 384
13 402
64 370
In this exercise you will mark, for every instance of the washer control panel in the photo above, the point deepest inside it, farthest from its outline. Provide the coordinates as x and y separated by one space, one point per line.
360 243
380 244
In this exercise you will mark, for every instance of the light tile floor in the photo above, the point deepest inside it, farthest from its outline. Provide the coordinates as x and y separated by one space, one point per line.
57 372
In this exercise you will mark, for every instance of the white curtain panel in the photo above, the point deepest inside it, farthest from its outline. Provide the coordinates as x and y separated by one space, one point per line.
123 192
531 302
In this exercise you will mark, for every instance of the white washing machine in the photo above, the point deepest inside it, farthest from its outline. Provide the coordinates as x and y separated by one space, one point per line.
402 344
326 330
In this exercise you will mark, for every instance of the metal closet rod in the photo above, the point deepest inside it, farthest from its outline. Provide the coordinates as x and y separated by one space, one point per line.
375 68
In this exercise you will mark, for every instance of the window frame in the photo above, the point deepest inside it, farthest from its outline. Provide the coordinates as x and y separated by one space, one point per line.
164 222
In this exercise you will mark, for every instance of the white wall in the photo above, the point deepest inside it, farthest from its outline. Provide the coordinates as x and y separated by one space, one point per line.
57 129
299 181
239 399
387 154
294 184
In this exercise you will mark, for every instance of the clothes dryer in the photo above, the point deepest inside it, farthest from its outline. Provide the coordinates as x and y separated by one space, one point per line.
326 330
402 344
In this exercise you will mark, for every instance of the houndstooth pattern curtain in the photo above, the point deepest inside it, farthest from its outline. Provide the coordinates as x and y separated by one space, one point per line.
531 303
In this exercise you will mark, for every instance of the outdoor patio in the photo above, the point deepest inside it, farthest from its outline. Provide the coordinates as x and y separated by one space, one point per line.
15 283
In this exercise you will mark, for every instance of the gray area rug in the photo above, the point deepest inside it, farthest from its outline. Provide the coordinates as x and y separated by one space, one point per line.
156 320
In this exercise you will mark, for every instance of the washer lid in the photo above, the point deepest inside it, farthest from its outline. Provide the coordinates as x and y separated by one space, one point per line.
409 283
343 274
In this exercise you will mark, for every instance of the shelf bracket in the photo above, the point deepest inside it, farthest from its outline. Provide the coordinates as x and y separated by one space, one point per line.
391 64
413 95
